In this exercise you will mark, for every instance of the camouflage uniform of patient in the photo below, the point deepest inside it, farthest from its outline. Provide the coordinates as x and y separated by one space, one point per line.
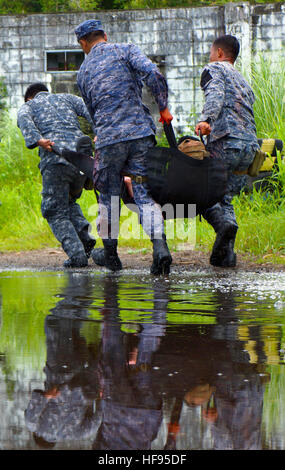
229 111
55 117
110 81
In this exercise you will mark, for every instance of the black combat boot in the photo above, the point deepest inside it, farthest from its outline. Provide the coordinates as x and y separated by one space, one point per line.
161 256
79 261
98 256
223 250
87 240
88 246
108 256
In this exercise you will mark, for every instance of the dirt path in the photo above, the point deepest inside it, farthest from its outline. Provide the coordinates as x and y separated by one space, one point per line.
52 259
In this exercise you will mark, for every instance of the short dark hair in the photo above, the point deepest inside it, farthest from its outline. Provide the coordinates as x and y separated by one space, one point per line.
229 44
93 36
33 89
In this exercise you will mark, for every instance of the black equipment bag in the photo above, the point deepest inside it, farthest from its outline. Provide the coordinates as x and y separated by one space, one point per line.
173 178
177 179
82 162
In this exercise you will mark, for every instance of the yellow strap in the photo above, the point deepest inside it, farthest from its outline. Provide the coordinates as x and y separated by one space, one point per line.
268 164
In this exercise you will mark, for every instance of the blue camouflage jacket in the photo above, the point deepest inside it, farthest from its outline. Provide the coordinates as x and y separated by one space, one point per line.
228 103
111 80
55 117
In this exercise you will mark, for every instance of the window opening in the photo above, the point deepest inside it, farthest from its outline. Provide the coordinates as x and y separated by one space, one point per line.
64 61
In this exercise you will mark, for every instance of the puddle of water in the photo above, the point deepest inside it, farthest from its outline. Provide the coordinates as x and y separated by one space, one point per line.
129 361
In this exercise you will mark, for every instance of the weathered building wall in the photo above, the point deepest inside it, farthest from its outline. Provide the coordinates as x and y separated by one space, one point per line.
177 39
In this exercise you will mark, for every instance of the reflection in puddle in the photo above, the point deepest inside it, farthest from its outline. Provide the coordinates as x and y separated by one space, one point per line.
128 361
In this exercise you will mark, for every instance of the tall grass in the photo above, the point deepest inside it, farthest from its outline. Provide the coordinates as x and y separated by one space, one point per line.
261 216
267 79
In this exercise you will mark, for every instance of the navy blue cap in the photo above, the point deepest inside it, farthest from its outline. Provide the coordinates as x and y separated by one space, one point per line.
87 27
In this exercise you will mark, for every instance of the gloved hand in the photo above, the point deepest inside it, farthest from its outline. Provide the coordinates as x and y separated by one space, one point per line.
203 127
165 116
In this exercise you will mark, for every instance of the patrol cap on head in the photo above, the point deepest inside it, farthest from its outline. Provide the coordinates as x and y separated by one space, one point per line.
87 27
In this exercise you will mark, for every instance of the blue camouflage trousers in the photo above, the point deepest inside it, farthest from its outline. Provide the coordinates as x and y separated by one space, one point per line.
62 186
237 155
112 161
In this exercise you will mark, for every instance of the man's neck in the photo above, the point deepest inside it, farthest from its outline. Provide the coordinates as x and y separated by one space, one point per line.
225 60
93 44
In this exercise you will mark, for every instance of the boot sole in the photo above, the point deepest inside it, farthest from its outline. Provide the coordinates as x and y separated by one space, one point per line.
75 265
119 267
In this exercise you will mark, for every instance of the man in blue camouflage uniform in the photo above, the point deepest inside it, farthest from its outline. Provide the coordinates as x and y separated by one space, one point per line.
46 119
111 80
228 121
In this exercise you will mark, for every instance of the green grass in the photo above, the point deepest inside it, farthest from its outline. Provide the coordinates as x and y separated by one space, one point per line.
260 215
267 81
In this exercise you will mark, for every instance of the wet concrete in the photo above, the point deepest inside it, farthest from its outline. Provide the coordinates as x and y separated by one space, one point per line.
95 360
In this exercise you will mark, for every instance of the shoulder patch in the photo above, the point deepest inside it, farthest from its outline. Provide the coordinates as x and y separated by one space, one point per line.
205 78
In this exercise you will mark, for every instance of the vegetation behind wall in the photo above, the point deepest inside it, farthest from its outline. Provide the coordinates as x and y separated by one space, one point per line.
60 6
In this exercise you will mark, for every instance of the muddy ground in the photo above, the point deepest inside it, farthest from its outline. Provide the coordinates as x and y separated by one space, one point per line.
52 259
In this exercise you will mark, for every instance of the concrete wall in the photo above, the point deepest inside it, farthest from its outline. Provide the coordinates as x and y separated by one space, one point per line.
177 39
